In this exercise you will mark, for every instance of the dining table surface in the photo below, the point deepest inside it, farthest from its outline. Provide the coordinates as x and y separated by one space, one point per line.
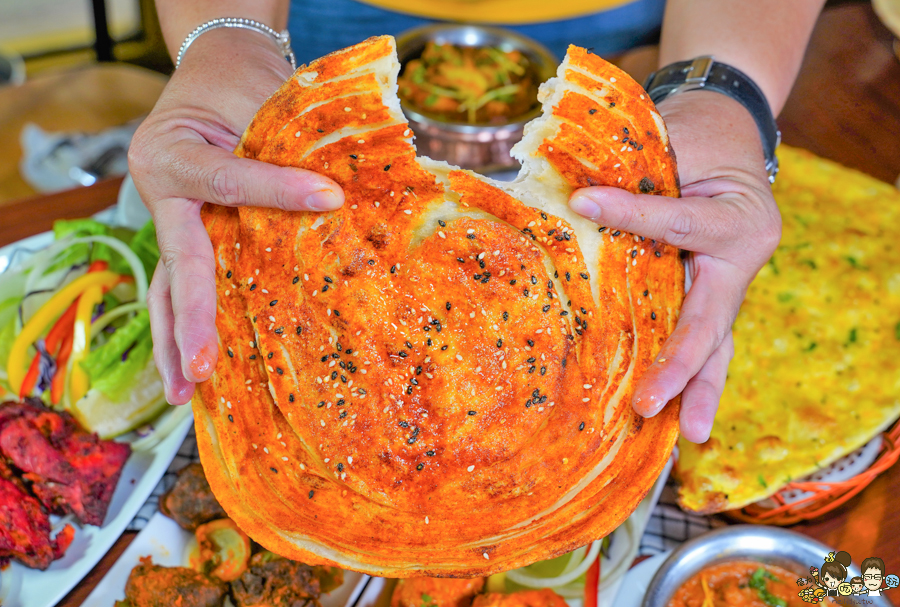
845 107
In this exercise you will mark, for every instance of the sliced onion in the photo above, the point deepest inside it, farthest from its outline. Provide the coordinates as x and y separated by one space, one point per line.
164 424
103 321
137 268
519 576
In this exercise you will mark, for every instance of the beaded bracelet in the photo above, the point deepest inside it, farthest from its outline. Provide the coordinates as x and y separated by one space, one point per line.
283 39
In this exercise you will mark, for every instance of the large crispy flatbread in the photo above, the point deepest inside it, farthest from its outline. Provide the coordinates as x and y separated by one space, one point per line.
436 379
814 375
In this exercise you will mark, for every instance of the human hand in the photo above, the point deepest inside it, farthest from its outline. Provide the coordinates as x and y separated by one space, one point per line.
181 157
728 219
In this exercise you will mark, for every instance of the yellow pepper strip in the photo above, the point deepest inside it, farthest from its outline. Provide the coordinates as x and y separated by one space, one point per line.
56 305
81 341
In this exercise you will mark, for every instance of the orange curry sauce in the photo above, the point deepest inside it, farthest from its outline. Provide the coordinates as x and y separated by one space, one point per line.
729 585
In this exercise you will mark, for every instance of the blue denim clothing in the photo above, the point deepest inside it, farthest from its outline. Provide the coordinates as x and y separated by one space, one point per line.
318 27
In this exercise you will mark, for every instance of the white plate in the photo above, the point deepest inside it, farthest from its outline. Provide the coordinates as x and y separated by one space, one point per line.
637 580
24 587
167 543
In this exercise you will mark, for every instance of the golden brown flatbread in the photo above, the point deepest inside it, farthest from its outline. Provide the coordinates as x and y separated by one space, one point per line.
814 375
436 379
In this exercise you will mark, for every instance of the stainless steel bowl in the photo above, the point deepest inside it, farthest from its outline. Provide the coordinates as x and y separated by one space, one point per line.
471 146
771 545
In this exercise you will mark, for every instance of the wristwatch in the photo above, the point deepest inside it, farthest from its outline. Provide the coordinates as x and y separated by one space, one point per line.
706 74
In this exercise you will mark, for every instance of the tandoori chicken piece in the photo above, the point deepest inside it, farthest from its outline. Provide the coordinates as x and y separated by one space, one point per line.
273 581
190 502
151 585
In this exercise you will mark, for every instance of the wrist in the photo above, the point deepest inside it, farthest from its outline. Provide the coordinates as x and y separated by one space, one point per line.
226 50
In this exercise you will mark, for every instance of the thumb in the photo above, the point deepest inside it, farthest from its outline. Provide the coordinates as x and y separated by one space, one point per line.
215 175
696 224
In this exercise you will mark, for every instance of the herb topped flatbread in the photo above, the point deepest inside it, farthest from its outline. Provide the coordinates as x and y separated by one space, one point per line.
815 373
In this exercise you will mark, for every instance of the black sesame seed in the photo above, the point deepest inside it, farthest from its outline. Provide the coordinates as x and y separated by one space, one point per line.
371 262
658 254
419 370
340 467
546 308
443 348
473 412
334 375
470 236
387 167
567 236
362 392
319 131
335 354
228 275
290 398
253 287
526 292
353 156
617 233
531 370
477 277
633 253
404 424
581 426
543 370
230 418
270 355
528 404
625 129
253 357
544 216
601 230
230 353
328 279
460 260
531 360
420 466
403 354
321 404
344 378
533 279
481 264
592 111
325 288
652 315
429 341
412 439
340 402
414 381
312 493
279 371
513 282
530 343
565 360
564 313
408 345
646 292
612 104
393 269
299 330
499 343
273 470
295 280
487 277
584 275
442 223
279 330
342 415
429 453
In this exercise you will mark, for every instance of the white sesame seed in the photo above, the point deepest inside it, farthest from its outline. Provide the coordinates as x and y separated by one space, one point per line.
349 459
426 520
470 231
615 137
486 556
585 400
346 109
587 386
408 212
458 357
361 141
266 449
498 388
354 206
442 235
613 79
470 468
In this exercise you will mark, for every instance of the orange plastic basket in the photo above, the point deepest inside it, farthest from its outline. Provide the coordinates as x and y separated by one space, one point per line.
825 496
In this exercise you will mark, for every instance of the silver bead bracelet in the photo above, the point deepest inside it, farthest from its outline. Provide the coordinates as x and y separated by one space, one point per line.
283 39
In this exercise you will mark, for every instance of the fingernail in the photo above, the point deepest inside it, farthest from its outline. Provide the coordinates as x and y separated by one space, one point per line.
324 200
583 205
649 406
201 366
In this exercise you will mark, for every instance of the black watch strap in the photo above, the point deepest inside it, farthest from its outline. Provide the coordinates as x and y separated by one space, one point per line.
705 74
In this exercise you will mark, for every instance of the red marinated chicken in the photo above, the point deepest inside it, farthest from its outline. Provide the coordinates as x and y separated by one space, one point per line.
49 464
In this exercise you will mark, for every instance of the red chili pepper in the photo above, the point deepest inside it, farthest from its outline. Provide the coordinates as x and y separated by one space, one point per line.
62 328
98 266
592 584
58 384
31 377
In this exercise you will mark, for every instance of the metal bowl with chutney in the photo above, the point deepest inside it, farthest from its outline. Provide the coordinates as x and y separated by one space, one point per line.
481 147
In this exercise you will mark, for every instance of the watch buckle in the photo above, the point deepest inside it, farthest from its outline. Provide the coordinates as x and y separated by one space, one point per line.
697 73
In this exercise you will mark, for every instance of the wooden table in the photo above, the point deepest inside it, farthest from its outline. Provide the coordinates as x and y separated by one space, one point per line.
846 107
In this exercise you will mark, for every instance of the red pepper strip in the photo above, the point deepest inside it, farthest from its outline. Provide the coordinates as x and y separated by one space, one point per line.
98 266
592 584
58 385
62 328
31 377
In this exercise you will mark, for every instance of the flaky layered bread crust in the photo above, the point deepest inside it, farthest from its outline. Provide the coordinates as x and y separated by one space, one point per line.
436 379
